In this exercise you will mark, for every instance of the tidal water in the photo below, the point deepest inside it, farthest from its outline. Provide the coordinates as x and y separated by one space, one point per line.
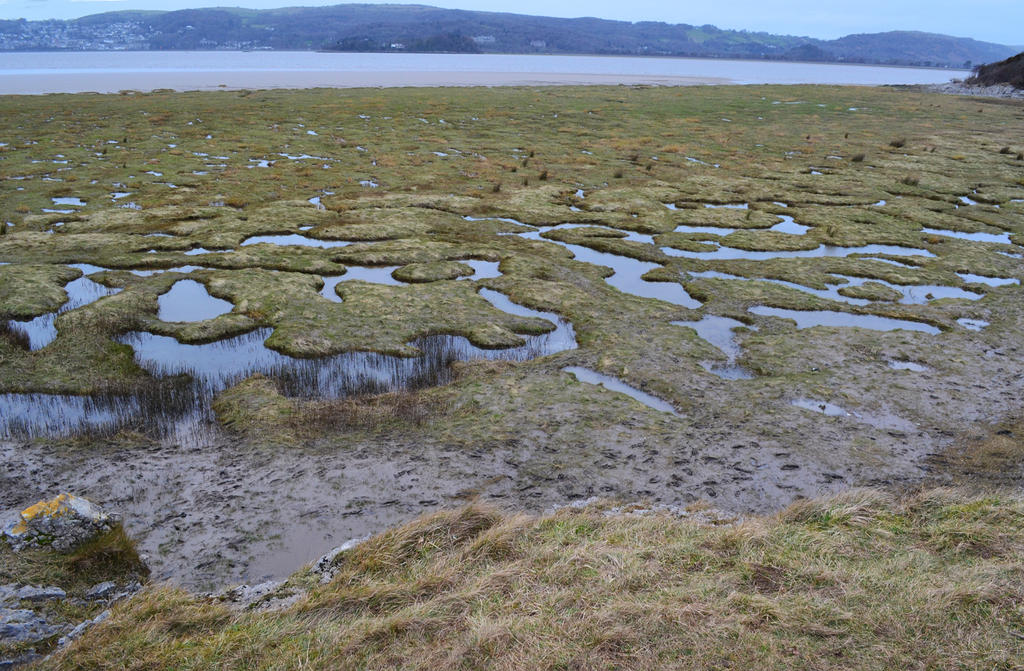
113 71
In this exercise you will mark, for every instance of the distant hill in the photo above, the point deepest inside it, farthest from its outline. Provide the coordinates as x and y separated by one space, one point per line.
423 28
1009 71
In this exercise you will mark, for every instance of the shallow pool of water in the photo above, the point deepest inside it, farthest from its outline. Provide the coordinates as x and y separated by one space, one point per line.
719 332
822 251
42 330
627 277
188 301
614 384
710 230
294 239
990 281
69 200
179 405
829 409
482 270
811 318
999 238
372 274
789 226
972 324
897 364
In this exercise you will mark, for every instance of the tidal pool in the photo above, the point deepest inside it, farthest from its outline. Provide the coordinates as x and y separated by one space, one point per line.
911 294
614 384
897 364
972 324
719 332
188 301
728 253
990 281
482 270
294 239
628 275
42 330
372 274
999 238
829 409
187 377
789 226
811 318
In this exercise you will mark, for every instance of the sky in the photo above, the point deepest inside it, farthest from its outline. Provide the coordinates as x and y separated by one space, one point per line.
997 21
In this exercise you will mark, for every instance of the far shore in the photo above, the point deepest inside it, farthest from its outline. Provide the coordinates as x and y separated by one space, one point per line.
111 82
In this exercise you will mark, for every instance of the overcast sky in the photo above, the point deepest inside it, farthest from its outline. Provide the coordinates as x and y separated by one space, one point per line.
1000 21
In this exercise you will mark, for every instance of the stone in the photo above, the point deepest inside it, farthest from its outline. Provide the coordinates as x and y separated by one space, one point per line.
80 629
23 658
8 594
325 567
37 594
103 590
19 625
62 523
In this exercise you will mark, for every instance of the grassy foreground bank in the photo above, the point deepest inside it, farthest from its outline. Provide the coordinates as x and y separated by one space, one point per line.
858 581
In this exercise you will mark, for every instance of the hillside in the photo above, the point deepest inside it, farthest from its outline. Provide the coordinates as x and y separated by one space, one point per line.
1010 71
422 28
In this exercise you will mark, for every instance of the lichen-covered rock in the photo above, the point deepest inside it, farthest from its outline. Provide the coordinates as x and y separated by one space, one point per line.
62 523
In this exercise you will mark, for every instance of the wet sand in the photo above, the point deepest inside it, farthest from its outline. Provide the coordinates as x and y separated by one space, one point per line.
113 82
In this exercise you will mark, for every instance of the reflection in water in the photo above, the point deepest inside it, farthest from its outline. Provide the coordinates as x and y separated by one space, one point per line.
177 403
188 301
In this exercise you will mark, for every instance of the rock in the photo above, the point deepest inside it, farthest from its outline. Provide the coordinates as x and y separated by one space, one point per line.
62 523
246 595
962 89
23 658
80 629
131 589
325 568
36 594
18 625
101 591
8 594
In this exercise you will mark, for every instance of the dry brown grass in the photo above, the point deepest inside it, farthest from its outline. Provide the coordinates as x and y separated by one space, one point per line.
858 581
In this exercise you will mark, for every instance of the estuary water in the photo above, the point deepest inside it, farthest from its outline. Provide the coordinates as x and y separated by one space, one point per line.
112 71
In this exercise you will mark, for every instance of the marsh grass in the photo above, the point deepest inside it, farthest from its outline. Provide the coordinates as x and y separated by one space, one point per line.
111 556
366 412
858 581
